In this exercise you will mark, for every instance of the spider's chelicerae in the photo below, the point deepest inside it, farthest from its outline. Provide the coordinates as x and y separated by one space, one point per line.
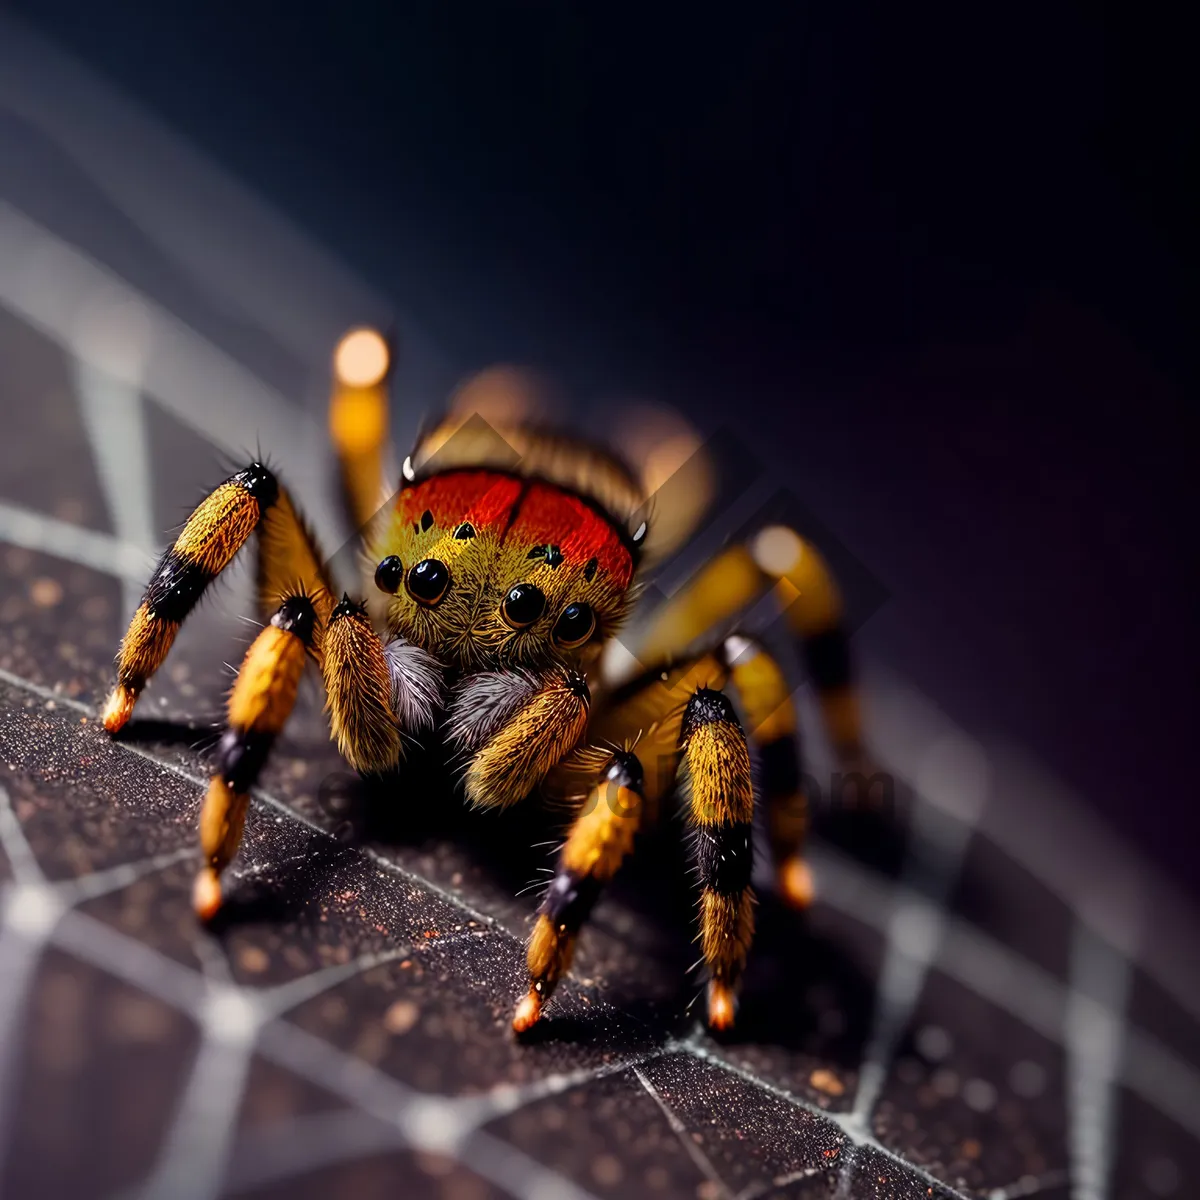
509 559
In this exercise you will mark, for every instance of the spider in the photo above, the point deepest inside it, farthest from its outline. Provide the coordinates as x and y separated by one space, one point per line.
503 568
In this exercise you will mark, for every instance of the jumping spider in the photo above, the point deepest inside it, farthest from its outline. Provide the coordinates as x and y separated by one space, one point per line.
509 557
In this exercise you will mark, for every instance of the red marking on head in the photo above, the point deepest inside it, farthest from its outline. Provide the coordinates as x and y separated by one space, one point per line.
547 516
484 498
550 516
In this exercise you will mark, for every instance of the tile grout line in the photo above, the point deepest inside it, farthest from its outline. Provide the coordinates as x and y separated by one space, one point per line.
1094 1038
114 420
701 1160
194 1156
954 771
1029 1187
840 1120
101 552
31 913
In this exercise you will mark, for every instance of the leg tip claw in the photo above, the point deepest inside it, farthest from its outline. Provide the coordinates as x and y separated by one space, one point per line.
529 1010
721 1006
206 894
796 882
119 708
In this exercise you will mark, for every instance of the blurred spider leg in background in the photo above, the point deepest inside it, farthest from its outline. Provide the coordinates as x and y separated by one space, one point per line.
358 422
738 576
770 716
600 838
812 604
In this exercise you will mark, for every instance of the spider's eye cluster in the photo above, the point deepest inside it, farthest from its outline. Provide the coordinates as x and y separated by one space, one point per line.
427 581
523 605
388 574
574 625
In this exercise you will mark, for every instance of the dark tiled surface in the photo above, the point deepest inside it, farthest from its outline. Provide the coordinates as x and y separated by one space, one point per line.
874 1176
100 1068
1001 896
42 427
746 1137
59 622
64 798
951 1102
381 1177
1152 1007
877 836
615 1127
275 1098
1153 1158
399 1076
464 1046
809 1000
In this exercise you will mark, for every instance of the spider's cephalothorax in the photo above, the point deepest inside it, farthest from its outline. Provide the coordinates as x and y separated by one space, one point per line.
507 561
492 569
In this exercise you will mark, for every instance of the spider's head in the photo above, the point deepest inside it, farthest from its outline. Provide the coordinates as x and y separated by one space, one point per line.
488 570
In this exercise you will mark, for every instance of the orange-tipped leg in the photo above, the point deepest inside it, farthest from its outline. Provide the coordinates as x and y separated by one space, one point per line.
206 894
206 545
722 1006
119 708
600 838
528 1012
771 719
221 822
259 706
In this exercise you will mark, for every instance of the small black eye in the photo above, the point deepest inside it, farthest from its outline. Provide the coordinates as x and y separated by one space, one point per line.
388 574
523 605
575 625
427 581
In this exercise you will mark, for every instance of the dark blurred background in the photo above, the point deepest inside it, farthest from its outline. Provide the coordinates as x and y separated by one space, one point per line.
932 262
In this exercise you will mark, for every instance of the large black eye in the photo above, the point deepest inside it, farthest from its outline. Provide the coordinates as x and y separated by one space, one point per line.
575 625
523 605
427 581
388 574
